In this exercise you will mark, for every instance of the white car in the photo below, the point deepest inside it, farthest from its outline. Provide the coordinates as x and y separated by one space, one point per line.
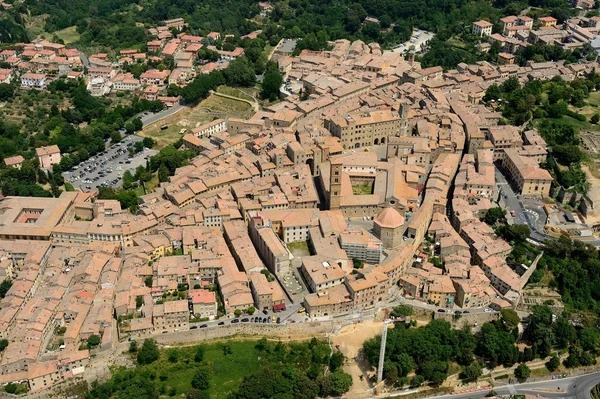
488 310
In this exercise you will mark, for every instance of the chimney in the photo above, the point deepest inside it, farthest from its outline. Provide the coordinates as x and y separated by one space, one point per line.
411 58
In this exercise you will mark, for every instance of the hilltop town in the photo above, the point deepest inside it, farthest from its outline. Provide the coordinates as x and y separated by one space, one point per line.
367 183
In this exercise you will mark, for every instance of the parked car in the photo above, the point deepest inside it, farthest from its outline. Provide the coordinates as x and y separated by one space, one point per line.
193 327
279 320
245 320
235 321
221 323
204 326
441 310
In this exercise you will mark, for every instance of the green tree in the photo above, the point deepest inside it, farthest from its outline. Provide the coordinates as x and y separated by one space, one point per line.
7 91
471 372
5 286
494 215
336 360
3 344
201 379
93 341
553 363
163 174
199 356
401 311
137 124
510 318
11 388
148 353
340 383
148 281
240 73
595 118
237 313
133 347
251 310
173 355
522 372
271 84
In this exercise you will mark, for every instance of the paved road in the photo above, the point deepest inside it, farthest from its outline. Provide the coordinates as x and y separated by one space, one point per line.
563 388
151 117
84 59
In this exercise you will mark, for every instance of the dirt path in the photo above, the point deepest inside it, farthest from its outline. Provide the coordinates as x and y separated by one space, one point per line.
350 340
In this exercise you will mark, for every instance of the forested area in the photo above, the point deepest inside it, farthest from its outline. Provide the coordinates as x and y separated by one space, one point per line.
545 105
434 350
231 369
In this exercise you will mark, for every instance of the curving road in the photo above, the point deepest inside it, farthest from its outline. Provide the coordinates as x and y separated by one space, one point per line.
563 388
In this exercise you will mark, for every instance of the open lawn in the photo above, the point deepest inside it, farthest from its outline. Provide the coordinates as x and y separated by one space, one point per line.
227 106
362 189
186 118
299 248
233 92
68 35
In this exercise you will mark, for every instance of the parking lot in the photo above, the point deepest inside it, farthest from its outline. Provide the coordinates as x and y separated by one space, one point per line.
417 43
107 168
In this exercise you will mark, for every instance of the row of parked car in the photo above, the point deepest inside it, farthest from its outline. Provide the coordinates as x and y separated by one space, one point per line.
257 319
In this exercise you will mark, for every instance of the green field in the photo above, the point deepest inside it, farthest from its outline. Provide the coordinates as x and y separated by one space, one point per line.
227 370
68 35
234 92
271 365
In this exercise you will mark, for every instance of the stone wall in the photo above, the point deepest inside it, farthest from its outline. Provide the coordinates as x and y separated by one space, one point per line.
296 331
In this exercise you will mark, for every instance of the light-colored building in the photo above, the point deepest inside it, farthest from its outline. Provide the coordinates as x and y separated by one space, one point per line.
482 28
526 174
33 81
48 156
321 273
203 303
268 295
329 303
171 316
14 162
362 245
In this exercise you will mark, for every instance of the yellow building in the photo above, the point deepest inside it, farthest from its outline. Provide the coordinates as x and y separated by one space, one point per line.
527 175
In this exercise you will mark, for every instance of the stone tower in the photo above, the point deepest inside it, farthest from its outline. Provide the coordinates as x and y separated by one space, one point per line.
403 113
335 186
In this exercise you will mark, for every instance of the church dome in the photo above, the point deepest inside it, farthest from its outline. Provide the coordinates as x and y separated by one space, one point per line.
389 218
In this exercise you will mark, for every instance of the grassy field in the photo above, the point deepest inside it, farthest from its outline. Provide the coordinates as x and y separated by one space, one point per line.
68 35
226 106
227 371
233 92
186 118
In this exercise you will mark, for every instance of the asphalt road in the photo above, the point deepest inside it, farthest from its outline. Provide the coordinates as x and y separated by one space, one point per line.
104 170
151 117
562 388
